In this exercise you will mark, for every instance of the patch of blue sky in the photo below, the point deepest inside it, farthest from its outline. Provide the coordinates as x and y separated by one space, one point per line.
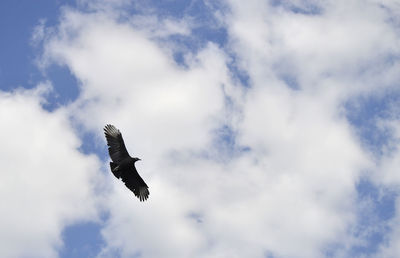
205 27
199 10
223 148
92 145
17 64
225 142
82 240
376 207
305 7
365 112
238 74
65 87
376 203
382 198
199 37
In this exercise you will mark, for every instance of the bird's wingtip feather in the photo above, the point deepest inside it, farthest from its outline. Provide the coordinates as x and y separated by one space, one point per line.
111 130
143 194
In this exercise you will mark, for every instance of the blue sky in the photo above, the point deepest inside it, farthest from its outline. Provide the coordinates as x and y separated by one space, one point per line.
265 128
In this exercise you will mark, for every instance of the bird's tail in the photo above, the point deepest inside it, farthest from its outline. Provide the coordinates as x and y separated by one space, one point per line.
115 170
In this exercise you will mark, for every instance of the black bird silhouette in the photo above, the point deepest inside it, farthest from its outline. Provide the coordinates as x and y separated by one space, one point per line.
123 165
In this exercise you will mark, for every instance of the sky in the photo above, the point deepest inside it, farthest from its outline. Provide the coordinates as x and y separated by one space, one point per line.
265 128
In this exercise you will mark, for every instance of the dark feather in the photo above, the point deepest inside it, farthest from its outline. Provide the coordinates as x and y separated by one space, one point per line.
135 183
116 145
123 165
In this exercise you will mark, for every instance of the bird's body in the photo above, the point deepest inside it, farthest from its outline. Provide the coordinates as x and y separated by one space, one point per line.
123 165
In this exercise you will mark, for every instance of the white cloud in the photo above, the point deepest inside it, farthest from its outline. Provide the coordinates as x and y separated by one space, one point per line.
344 44
293 193
46 183
133 82
335 55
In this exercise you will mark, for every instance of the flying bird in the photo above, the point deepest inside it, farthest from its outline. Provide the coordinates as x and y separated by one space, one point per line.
123 165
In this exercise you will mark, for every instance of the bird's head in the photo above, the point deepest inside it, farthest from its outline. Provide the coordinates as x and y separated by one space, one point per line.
136 159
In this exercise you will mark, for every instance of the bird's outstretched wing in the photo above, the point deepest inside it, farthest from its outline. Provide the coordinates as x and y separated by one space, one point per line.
122 165
116 145
135 183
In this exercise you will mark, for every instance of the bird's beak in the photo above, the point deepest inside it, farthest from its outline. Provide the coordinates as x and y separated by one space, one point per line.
138 159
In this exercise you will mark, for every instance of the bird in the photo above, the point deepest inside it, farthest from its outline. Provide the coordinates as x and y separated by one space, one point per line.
123 165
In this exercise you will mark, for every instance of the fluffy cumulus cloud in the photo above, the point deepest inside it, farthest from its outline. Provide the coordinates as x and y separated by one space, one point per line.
246 145
46 183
